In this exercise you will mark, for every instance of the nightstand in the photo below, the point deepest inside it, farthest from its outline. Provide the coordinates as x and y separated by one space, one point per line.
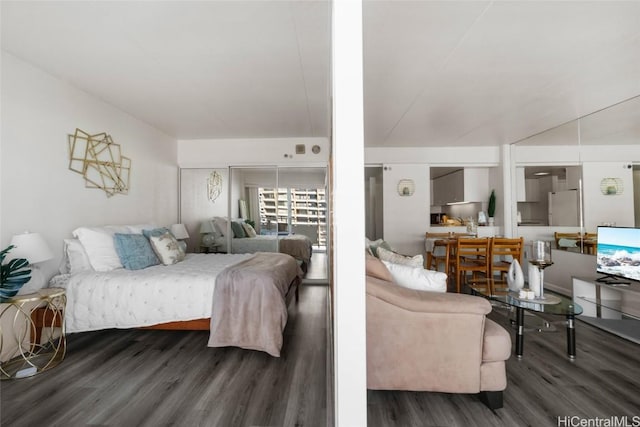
32 333
211 249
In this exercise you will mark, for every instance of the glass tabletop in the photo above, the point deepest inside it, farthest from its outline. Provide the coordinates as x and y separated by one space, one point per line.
498 290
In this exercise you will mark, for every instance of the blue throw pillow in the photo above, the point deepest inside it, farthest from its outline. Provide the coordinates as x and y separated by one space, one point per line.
135 251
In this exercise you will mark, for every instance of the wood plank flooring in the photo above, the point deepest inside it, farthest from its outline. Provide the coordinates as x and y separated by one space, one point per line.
603 381
171 378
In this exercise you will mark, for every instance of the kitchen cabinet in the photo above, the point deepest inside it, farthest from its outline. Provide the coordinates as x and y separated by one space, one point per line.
527 190
464 185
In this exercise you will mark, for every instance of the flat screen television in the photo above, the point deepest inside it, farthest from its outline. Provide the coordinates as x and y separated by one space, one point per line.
618 254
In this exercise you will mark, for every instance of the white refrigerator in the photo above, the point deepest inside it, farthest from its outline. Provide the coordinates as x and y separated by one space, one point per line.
564 208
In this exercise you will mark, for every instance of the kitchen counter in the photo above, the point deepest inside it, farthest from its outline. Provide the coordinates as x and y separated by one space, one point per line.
483 230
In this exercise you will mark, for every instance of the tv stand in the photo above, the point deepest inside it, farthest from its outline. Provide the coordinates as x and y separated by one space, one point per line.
612 280
614 307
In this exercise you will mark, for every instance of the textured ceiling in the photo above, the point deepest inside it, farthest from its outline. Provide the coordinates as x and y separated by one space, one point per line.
437 73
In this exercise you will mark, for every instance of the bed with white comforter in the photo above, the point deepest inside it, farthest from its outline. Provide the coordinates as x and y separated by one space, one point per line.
128 299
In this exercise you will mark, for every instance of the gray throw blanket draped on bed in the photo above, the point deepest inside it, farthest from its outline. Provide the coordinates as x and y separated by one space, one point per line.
249 304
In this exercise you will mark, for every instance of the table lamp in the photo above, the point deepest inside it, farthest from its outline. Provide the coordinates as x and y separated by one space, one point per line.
181 234
33 248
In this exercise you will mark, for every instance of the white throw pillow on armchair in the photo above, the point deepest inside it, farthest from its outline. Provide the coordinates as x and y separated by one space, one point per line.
417 277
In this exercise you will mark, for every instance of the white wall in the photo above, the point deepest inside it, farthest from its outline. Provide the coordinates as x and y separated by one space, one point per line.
406 218
195 204
206 153
40 193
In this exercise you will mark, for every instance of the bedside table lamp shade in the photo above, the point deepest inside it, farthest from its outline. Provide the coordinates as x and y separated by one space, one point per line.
179 231
30 246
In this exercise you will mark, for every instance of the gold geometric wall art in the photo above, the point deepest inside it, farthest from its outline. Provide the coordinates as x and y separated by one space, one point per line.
100 161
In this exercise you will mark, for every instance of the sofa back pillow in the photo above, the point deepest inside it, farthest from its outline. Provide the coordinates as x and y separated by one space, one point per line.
238 230
387 255
417 277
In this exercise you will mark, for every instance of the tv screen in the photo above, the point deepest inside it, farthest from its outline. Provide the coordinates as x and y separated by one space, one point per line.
618 252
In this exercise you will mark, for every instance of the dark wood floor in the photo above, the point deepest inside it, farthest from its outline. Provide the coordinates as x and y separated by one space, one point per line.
603 381
171 378
157 378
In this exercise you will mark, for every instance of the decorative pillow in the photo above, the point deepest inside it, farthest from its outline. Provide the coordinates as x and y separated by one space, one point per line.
376 268
238 230
75 259
249 230
375 245
135 251
99 246
159 231
167 248
386 255
417 278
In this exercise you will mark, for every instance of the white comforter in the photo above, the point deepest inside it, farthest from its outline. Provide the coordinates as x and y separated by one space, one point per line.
127 299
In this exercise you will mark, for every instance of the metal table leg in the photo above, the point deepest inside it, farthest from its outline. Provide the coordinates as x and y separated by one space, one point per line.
519 331
571 336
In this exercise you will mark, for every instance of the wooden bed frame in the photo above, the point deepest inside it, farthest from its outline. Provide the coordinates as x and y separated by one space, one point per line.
205 323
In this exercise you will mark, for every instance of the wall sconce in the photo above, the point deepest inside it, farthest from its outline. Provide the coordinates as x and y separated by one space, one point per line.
406 187
611 186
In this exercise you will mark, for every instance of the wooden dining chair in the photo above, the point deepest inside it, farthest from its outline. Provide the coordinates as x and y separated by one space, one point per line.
433 258
472 255
503 251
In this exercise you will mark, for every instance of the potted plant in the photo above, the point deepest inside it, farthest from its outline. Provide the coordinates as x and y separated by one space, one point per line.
13 275
491 209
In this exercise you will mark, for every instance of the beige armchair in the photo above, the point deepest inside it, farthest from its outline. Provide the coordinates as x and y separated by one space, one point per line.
440 342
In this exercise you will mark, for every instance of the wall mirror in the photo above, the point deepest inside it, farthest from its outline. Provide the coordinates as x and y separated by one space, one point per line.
249 209
578 158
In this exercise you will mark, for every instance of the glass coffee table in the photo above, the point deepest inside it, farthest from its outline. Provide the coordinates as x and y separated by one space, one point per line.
553 303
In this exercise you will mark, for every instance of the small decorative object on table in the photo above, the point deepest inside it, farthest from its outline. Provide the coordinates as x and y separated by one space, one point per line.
515 277
540 256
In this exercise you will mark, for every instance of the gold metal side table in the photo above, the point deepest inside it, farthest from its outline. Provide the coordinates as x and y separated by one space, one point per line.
32 333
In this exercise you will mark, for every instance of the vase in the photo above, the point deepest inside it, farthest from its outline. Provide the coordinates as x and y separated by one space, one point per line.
515 277
492 221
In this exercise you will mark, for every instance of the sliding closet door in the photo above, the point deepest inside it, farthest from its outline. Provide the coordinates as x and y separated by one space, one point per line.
254 209
204 195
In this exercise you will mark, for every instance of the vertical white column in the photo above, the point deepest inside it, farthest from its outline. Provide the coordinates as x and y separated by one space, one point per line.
350 359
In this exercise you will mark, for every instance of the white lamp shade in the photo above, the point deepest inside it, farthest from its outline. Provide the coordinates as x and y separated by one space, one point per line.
30 246
179 231
206 227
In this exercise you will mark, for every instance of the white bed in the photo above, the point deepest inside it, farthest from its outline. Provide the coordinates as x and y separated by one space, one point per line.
298 246
129 299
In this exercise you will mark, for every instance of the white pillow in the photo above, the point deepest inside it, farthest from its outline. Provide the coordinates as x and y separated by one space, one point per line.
167 248
98 243
417 278
386 255
75 257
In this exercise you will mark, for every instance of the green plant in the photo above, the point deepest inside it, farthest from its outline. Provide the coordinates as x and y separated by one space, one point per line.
250 222
13 275
491 210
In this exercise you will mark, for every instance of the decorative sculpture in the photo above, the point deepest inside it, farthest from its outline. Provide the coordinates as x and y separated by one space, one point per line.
214 185
99 160
515 276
